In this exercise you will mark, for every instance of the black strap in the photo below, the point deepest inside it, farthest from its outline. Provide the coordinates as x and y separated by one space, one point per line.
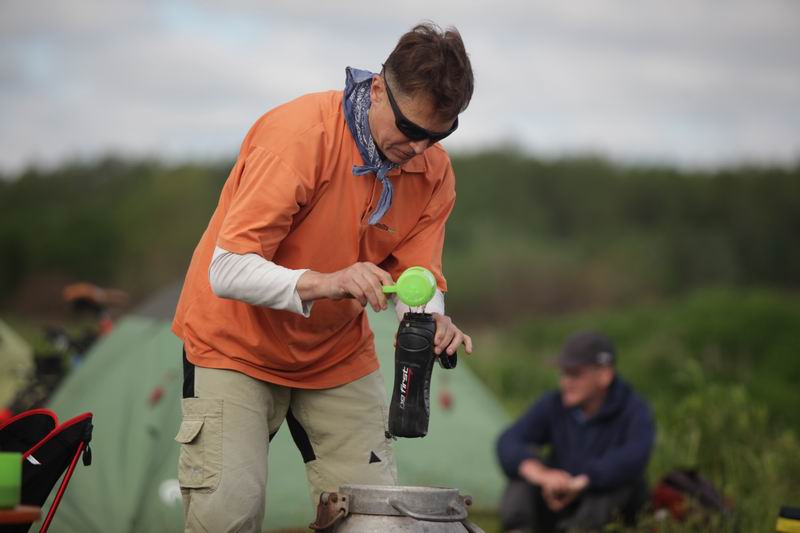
188 377
300 438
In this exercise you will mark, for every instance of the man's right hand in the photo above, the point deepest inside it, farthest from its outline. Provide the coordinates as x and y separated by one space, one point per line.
362 281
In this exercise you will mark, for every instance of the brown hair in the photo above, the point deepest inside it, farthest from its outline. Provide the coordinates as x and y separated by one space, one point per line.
434 62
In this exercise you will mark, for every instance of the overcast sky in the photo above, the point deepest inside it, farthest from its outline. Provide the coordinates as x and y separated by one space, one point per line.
692 82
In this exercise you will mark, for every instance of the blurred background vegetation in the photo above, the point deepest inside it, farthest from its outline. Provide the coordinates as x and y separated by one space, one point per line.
694 274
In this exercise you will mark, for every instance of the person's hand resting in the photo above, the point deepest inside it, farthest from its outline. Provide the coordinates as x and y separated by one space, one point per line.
559 488
550 479
557 500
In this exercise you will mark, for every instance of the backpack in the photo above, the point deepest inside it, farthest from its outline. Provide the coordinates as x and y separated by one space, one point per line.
685 493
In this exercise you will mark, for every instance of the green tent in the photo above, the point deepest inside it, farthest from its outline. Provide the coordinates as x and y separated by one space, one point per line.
16 363
131 381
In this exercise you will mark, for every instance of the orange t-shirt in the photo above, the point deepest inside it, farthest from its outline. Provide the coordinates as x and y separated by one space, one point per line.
292 198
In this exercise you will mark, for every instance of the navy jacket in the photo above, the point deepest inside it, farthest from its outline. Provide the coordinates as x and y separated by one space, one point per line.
612 447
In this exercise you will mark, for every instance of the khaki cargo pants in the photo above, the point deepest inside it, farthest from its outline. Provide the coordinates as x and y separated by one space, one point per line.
225 433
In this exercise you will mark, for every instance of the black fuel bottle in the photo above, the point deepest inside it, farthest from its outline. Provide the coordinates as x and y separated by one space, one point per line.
409 409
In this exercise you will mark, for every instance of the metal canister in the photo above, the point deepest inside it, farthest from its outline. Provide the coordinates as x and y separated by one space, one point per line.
393 509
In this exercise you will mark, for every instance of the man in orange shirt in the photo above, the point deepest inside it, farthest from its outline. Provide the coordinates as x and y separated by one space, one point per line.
332 196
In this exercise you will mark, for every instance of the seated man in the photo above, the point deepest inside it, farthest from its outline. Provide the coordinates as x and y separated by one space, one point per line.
600 434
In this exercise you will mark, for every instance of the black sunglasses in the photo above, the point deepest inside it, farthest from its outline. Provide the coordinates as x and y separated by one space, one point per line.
408 128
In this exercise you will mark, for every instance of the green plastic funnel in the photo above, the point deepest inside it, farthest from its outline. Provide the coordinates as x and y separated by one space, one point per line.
415 287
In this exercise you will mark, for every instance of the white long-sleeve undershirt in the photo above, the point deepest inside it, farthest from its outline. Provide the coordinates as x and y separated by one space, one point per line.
255 280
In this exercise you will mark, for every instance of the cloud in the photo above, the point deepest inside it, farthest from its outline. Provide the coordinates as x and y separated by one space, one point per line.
692 81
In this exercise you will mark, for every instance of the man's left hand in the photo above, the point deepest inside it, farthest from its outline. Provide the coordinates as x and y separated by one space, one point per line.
558 501
448 337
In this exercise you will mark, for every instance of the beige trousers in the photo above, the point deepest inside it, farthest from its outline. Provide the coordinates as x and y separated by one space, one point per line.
222 468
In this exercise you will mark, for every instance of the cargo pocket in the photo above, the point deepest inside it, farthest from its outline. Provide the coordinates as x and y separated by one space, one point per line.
200 435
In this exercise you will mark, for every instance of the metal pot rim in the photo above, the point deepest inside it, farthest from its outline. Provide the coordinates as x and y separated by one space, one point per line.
388 500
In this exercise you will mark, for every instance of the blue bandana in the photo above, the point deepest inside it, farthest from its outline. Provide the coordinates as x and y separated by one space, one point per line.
356 112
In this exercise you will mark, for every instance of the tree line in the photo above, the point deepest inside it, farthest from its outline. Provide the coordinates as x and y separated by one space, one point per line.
549 235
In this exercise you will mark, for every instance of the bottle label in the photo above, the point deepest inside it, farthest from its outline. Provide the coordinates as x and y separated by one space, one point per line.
405 385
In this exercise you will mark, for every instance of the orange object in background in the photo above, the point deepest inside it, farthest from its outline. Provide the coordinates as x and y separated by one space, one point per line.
83 296
446 400
89 294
